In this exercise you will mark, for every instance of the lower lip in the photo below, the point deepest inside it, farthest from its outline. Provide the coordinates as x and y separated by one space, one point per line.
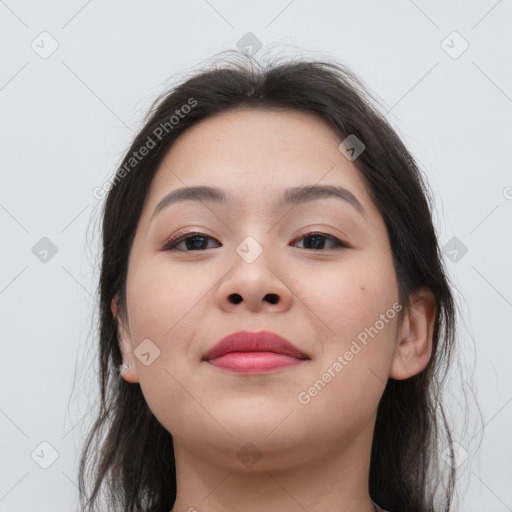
254 361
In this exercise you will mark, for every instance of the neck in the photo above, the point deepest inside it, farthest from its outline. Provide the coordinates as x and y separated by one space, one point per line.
335 481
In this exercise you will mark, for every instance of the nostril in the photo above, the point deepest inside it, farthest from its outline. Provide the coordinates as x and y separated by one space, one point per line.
272 298
235 298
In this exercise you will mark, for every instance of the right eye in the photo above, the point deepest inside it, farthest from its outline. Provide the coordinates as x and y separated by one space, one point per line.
194 241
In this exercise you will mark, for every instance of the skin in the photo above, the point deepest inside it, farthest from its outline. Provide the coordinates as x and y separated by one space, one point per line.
314 456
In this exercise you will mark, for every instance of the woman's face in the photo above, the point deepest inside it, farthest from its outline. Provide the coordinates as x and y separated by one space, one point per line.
336 304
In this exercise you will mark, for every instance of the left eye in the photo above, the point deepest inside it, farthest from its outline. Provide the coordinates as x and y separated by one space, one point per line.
317 241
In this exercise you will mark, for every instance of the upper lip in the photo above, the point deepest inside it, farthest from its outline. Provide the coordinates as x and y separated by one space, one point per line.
260 341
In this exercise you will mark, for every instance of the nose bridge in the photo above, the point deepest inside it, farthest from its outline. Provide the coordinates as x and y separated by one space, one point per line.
255 237
253 262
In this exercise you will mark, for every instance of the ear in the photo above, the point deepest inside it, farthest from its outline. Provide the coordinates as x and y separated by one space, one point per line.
125 343
414 343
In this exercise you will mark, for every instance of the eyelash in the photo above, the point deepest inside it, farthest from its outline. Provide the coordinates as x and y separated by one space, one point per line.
171 244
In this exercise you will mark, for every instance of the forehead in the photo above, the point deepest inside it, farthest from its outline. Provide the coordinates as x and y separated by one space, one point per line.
254 154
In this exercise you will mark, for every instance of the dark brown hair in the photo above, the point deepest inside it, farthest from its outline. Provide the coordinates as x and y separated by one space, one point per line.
128 454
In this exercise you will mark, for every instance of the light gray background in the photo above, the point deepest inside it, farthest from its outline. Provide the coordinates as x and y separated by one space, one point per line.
66 120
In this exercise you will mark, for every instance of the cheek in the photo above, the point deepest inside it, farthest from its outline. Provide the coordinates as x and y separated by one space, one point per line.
358 310
351 297
161 296
164 306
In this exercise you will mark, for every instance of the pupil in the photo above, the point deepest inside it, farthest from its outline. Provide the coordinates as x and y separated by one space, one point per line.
198 245
318 238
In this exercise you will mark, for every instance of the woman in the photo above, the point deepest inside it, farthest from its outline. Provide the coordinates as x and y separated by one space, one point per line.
273 293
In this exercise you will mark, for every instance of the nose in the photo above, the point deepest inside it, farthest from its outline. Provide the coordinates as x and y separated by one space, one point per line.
254 287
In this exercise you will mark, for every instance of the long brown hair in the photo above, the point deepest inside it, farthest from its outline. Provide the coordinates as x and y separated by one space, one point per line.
128 455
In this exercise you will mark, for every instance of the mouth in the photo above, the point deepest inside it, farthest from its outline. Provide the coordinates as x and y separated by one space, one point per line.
254 352
254 362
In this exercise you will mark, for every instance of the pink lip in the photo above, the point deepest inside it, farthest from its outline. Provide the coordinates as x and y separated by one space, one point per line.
251 352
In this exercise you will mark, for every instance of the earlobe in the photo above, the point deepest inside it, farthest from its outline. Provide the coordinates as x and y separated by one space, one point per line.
128 369
414 343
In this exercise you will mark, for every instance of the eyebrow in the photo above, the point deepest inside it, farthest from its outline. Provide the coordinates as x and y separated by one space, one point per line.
291 197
